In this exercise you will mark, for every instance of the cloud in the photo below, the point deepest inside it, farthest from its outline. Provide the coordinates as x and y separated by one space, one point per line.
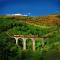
16 15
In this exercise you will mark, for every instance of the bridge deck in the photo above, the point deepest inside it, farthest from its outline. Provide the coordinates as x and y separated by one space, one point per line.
26 36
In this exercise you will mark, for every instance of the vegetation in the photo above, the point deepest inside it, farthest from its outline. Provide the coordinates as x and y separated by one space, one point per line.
47 27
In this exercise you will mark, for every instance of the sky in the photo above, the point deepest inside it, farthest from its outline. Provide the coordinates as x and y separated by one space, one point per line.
30 7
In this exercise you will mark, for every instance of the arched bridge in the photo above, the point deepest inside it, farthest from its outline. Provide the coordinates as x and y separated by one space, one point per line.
25 37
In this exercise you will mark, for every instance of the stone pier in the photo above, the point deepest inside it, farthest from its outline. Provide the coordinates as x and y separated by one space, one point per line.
24 43
33 43
16 39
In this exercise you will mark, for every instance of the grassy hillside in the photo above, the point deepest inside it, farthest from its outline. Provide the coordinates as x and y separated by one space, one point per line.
47 27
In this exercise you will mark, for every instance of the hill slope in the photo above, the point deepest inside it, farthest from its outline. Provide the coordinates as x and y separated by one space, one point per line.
38 20
47 27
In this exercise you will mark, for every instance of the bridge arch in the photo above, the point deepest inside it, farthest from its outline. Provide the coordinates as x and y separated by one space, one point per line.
29 44
20 43
24 42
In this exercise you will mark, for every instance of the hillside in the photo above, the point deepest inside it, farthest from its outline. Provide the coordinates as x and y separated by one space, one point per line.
47 27
38 20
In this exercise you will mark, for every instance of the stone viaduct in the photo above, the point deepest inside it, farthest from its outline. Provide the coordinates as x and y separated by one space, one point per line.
25 37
